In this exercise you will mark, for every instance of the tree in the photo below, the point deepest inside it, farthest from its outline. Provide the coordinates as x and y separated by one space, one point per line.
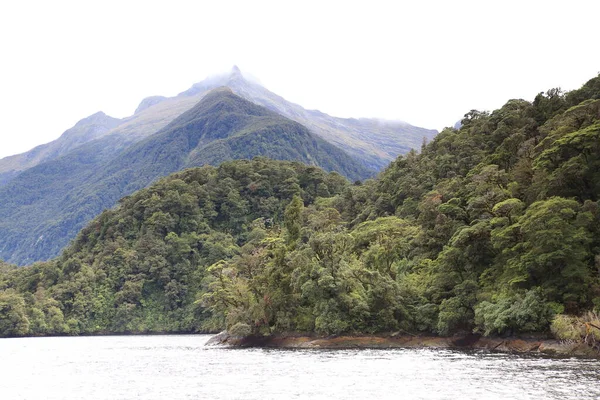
551 251
13 318
571 164
292 221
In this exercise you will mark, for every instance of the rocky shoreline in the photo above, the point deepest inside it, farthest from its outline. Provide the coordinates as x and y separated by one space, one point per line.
549 347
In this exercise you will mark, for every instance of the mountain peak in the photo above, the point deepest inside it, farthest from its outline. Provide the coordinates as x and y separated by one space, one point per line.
236 70
232 78
99 118
236 77
149 102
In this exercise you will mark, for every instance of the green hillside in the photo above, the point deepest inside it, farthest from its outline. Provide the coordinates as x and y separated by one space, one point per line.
493 228
139 267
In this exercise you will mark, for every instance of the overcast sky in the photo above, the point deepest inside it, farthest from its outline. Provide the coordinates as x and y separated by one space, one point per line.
424 62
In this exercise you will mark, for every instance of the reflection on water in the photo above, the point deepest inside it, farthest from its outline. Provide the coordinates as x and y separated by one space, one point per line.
181 367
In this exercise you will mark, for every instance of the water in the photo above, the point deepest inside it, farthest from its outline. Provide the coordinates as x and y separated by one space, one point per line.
181 367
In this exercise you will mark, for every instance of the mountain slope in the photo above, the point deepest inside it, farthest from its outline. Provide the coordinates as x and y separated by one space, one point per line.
153 114
45 207
375 142
88 129
223 126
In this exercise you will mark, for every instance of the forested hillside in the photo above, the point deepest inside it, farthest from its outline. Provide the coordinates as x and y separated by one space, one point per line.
139 267
493 228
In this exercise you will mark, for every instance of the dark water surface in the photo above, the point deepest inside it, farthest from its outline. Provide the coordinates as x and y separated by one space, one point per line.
181 367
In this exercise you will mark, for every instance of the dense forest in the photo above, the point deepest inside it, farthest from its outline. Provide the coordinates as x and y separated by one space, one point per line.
491 228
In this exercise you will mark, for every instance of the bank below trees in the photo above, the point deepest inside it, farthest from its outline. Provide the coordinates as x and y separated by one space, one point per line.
549 347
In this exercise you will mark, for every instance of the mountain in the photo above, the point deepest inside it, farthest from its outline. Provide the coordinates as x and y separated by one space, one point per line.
45 206
153 114
53 182
224 126
88 129
375 142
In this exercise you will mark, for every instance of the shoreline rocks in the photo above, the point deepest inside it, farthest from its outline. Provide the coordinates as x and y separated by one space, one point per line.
549 347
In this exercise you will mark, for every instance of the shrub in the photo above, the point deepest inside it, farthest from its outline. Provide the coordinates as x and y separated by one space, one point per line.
566 327
240 330
514 314
569 327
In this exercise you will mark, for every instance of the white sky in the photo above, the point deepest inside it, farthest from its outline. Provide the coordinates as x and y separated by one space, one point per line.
424 62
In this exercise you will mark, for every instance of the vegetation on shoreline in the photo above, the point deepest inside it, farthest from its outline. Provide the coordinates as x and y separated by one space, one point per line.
139 267
492 228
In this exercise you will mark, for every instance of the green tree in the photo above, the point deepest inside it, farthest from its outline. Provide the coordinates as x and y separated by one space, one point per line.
550 250
13 317
292 219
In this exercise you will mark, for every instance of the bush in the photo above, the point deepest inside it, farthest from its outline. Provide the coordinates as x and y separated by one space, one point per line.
569 327
566 327
240 330
514 314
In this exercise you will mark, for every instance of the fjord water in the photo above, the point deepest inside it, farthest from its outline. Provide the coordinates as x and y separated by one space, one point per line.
181 367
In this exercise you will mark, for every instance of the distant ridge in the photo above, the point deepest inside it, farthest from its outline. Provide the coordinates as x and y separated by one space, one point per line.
374 143
86 130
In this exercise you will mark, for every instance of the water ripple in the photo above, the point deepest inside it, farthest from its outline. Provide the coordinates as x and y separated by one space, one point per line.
181 367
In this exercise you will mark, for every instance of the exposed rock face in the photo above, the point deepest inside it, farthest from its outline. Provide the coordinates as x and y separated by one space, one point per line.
473 342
